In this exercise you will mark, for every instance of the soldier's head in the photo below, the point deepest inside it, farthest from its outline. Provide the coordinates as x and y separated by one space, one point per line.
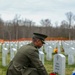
38 39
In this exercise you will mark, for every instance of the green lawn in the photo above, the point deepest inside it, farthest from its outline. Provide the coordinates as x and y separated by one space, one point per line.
48 65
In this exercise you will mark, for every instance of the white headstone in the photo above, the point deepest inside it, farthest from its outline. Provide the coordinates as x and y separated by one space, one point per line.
49 53
41 56
71 59
59 46
12 53
59 64
41 49
71 56
4 56
66 47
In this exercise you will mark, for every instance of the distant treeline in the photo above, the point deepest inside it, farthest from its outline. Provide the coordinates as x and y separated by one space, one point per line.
16 29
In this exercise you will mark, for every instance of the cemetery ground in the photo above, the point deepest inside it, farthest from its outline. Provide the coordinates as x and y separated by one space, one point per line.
48 65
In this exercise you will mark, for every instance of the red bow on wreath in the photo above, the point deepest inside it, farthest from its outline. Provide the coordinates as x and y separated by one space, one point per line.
53 73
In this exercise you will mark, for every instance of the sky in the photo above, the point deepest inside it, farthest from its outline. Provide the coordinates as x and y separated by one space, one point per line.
36 10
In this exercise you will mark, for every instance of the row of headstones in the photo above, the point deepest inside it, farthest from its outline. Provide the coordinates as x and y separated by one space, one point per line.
10 48
68 46
49 44
69 49
48 49
16 45
59 65
59 59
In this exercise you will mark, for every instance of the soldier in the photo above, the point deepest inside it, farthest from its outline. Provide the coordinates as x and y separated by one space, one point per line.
26 60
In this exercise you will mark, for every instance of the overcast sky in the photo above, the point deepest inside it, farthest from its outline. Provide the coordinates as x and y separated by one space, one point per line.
36 10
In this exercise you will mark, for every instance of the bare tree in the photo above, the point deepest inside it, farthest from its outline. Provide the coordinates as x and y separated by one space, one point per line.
1 28
69 16
46 23
16 21
64 24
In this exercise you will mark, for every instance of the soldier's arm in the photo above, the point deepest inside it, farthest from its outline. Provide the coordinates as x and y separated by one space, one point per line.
34 58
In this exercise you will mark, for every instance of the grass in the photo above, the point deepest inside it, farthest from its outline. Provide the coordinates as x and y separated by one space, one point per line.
48 66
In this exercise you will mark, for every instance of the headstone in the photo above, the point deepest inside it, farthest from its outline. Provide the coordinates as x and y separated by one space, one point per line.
71 59
41 49
49 53
11 45
3 45
59 46
41 56
71 56
66 47
15 46
12 53
20 44
59 64
45 46
4 56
